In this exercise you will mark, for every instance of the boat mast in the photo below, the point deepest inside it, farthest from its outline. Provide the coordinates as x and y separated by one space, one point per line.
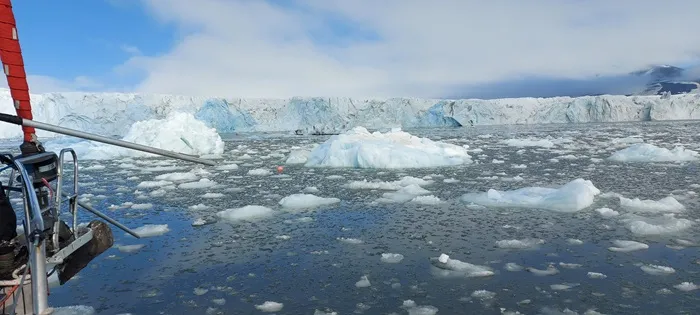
13 66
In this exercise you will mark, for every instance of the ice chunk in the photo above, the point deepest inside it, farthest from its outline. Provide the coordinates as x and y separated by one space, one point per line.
395 185
607 212
259 172
574 196
596 275
448 267
302 201
686 286
201 184
348 240
363 283
483 294
299 156
153 184
667 224
179 132
74 310
627 246
656 270
149 230
311 190
528 243
247 213
227 167
520 143
427 200
423 310
513 267
404 194
390 258
668 204
178 177
644 152
396 149
551 270
142 206
129 248
270 307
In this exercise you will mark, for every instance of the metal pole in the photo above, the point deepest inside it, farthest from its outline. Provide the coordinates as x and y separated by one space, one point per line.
121 143
37 263
104 216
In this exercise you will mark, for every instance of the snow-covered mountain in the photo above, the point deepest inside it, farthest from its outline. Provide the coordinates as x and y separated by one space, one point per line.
666 79
114 113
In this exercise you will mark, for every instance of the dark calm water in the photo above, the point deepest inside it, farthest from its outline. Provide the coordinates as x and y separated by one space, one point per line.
230 267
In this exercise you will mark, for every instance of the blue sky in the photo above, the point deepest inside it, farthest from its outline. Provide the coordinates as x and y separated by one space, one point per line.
362 48
69 39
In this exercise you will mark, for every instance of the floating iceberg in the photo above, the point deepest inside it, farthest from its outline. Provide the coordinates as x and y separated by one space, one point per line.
574 196
359 148
644 152
179 132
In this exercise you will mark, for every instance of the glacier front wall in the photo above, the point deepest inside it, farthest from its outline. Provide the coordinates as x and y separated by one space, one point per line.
112 114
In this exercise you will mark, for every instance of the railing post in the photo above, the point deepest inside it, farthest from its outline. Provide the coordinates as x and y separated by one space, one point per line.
37 248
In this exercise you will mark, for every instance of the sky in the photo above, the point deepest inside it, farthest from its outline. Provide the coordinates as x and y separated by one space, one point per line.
358 48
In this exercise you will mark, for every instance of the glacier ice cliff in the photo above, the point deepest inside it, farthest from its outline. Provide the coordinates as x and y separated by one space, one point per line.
112 114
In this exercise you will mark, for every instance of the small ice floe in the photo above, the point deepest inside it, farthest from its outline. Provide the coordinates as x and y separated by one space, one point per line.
199 222
129 248
247 213
528 243
197 207
346 240
363 282
149 230
270 307
201 184
178 177
562 286
444 266
513 267
656 270
142 206
644 152
427 200
686 286
551 270
596 275
483 294
607 212
414 309
627 246
390 258
668 204
574 241
305 201
310 190
570 265
259 172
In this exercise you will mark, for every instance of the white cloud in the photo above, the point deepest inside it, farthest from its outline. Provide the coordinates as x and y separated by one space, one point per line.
251 48
46 84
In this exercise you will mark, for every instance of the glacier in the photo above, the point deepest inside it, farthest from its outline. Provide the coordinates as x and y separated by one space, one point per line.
112 114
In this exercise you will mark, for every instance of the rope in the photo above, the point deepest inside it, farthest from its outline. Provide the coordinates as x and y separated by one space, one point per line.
8 295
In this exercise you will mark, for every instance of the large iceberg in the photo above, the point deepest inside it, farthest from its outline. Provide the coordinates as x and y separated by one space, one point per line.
112 114
395 149
179 132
